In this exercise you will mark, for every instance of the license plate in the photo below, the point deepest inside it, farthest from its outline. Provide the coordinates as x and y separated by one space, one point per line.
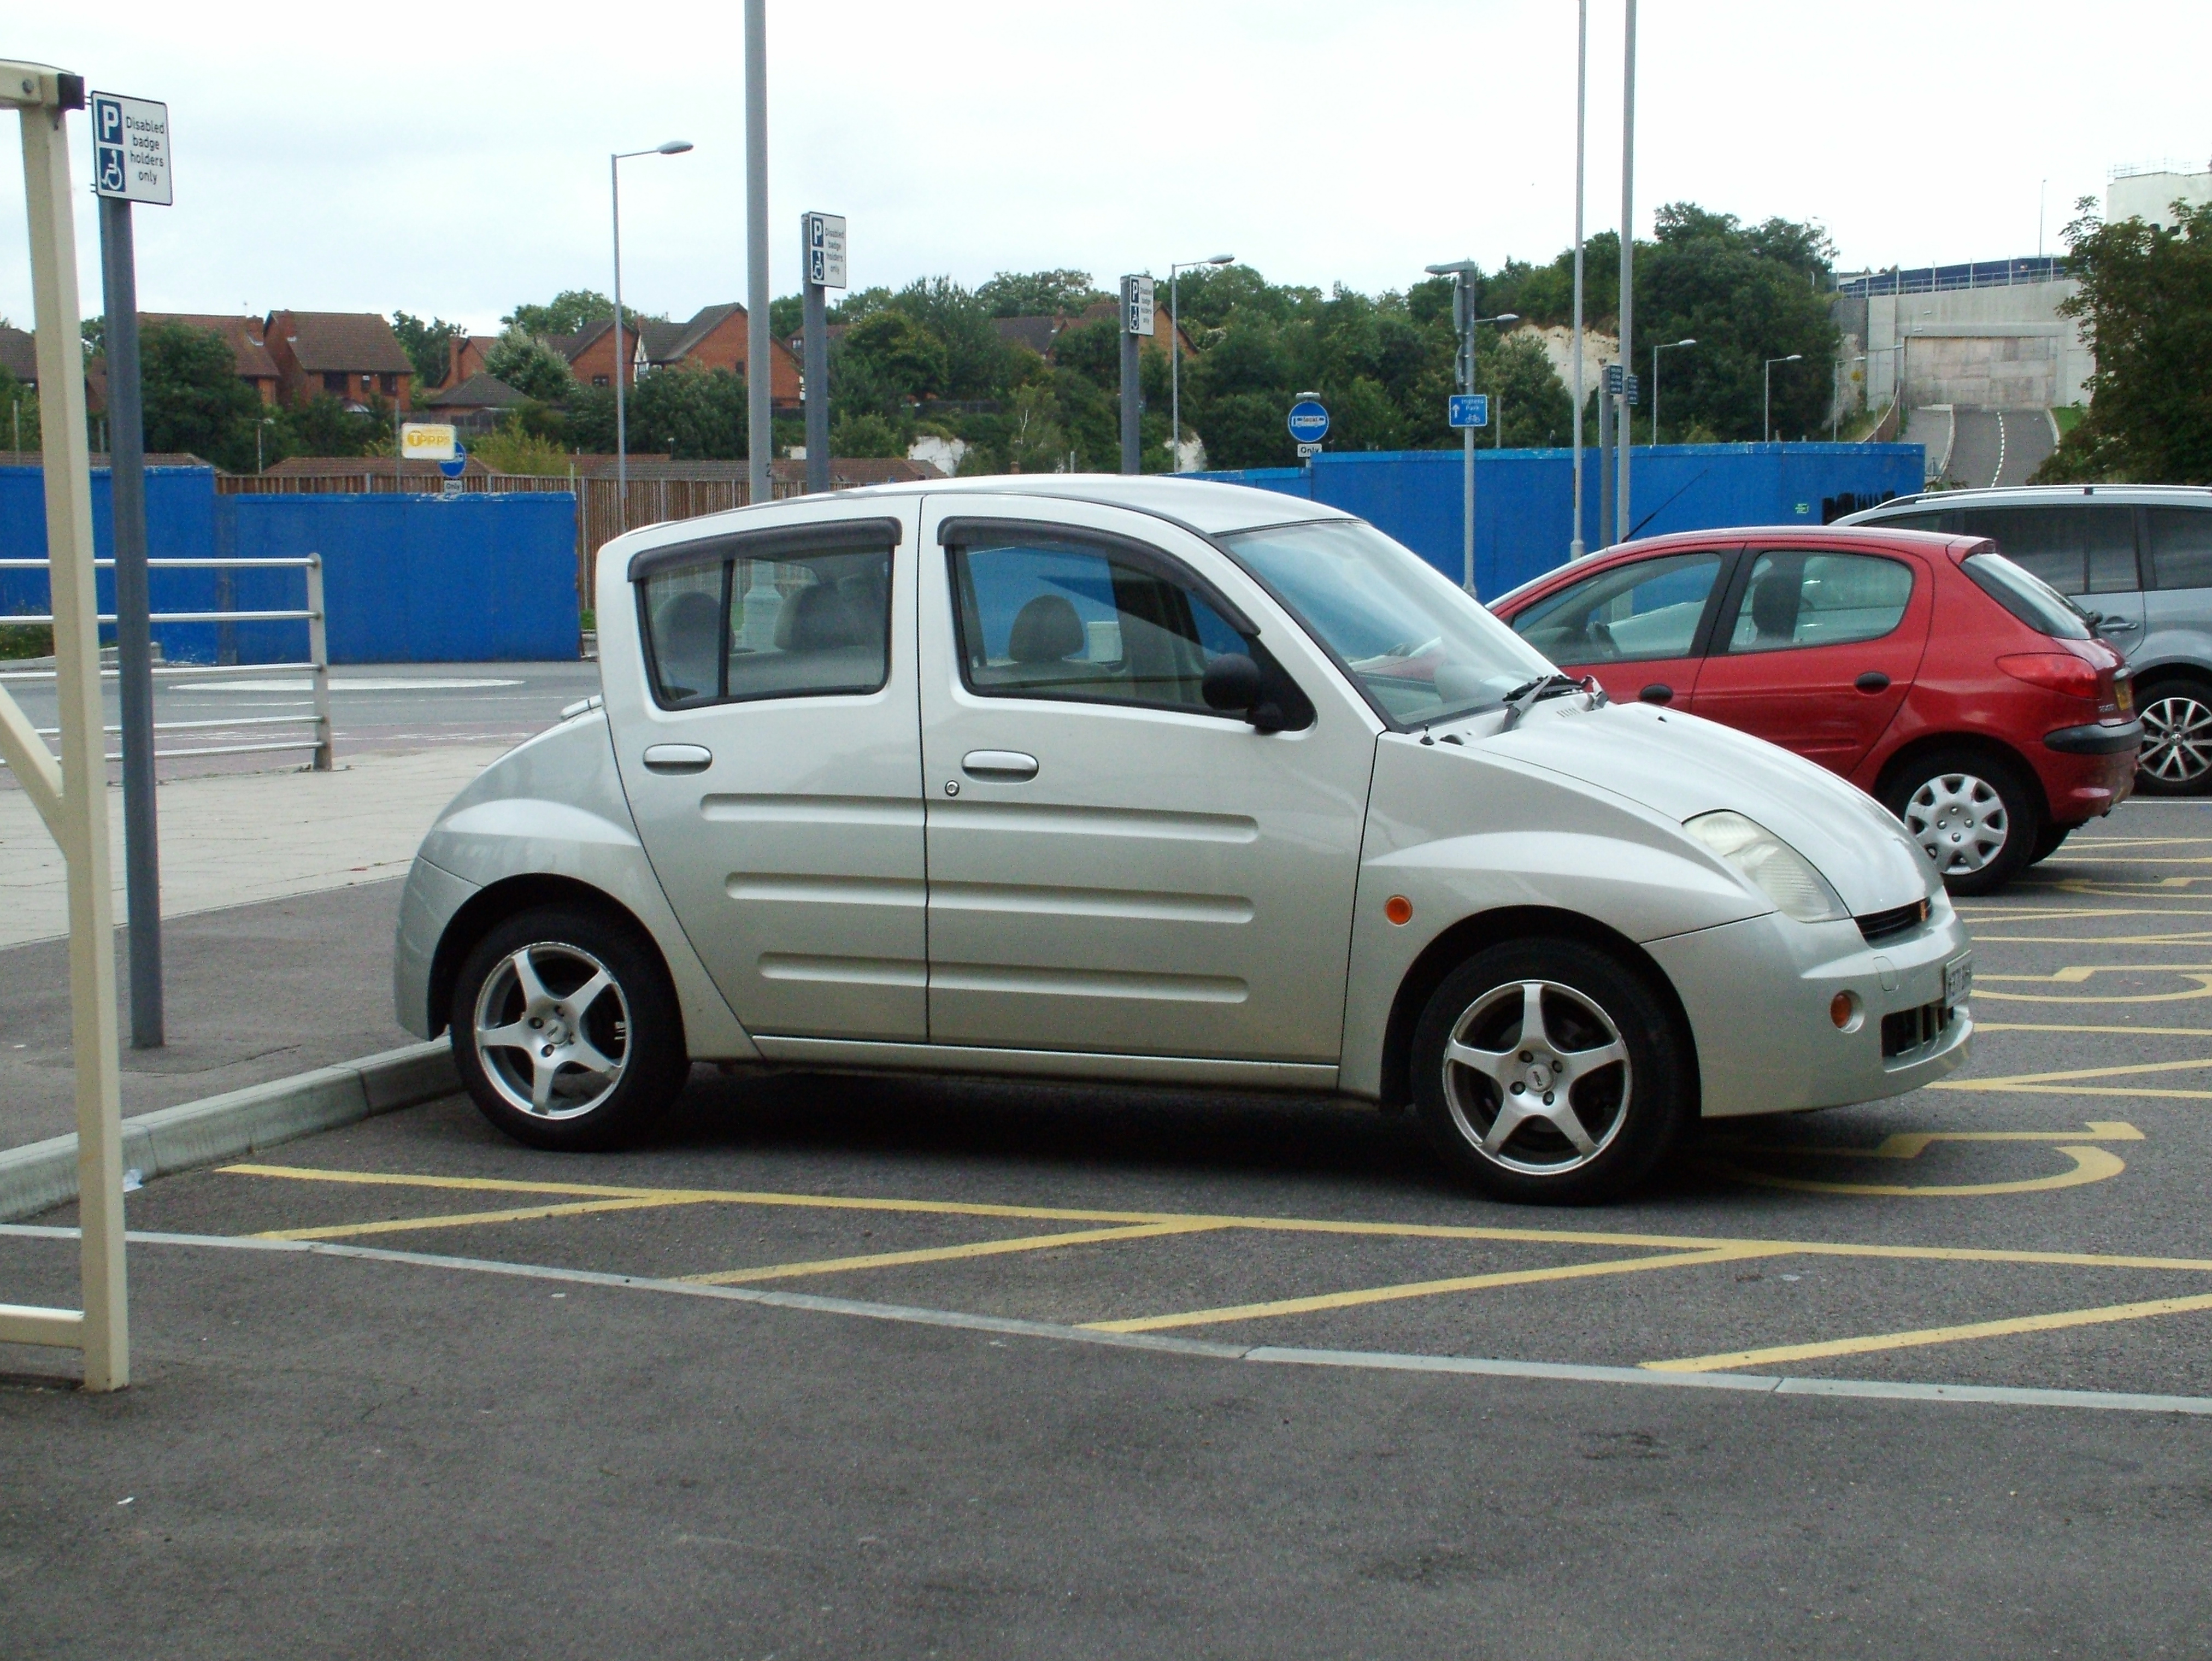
1958 981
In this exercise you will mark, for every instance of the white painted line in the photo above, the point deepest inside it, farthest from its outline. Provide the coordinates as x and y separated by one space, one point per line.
338 683
1272 1354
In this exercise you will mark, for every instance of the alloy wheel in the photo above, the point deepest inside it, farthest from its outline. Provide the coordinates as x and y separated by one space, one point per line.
2176 748
1536 1077
552 1030
1959 822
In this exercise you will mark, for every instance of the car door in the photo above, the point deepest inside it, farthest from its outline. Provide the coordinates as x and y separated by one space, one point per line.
773 764
1816 648
1114 867
1640 626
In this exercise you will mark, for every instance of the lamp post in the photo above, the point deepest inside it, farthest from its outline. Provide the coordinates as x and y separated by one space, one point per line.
1666 346
1463 273
1174 352
1622 520
1577 548
1766 395
673 147
259 428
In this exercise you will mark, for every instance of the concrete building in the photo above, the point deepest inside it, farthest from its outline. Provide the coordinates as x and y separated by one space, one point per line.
2149 191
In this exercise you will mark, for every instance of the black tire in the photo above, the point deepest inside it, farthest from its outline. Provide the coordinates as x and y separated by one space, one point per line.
2051 839
2177 747
1631 1111
1973 812
618 1059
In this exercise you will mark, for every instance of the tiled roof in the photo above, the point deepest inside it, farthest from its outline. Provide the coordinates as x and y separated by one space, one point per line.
359 342
328 467
242 335
478 392
19 353
1035 333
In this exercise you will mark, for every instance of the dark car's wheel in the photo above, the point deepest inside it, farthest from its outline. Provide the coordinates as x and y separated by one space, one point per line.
1549 1070
2176 741
566 1030
1972 813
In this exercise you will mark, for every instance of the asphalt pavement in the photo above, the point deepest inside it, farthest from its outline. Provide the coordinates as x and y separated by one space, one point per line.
408 1389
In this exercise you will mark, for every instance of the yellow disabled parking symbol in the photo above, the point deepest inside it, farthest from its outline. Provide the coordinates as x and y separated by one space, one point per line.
2199 975
1803 1163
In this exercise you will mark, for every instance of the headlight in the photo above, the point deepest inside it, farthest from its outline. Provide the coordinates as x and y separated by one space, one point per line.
1771 865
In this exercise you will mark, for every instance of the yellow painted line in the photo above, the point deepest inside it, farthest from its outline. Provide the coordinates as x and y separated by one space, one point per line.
2189 938
2090 1164
2077 974
2068 1026
1571 1272
466 1219
949 1253
1910 1144
2130 1069
1263 1224
2054 913
1932 1335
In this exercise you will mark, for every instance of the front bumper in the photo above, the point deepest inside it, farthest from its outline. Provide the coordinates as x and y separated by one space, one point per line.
427 904
1758 994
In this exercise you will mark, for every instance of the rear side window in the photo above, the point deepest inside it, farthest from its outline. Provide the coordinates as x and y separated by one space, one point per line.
1911 522
798 624
1811 599
1648 610
2181 547
2029 598
2078 548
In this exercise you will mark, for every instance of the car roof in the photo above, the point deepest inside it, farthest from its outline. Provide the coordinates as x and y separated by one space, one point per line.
2032 495
1766 536
1205 504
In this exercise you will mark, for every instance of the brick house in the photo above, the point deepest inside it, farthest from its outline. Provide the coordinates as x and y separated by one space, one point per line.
352 356
715 338
243 336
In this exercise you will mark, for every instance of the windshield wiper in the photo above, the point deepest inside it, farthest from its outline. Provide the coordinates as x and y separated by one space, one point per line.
1518 701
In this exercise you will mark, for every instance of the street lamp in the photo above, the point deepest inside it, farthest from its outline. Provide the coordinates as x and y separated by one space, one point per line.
1463 273
1175 351
1668 346
259 427
673 147
1766 395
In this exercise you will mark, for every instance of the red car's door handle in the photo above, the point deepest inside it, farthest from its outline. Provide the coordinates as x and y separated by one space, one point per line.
1873 681
1657 693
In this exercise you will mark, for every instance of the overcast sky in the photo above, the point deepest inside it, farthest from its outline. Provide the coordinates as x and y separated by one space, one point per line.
452 160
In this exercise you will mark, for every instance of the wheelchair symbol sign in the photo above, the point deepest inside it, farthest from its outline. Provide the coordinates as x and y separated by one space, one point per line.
130 148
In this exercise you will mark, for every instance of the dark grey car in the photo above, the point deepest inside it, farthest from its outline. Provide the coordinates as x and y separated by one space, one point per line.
2139 558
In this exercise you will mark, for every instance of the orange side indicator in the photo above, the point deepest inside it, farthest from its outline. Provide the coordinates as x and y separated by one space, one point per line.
1398 909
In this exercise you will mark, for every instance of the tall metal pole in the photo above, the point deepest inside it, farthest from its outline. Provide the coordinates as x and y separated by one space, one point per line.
1605 472
134 635
1175 370
621 360
1465 308
1623 432
1576 548
816 342
760 433
1132 458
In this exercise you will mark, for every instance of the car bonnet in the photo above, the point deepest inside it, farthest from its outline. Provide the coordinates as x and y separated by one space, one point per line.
1682 766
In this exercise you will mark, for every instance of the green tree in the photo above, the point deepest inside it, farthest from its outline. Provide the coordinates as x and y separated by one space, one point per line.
1036 441
566 313
902 357
2146 304
19 414
195 399
866 434
692 415
1038 294
530 366
786 316
429 346
322 426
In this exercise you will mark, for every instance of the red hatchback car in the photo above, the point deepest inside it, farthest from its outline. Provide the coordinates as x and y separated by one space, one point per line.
1963 694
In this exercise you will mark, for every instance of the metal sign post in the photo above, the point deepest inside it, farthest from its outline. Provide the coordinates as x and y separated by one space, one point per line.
1137 312
821 239
1467 411
72 797
130 163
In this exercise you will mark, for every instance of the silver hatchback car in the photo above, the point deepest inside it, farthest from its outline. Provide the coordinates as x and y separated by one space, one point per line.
2137 559
1156 781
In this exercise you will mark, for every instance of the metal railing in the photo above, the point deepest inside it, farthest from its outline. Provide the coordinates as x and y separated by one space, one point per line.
1937 279
318 663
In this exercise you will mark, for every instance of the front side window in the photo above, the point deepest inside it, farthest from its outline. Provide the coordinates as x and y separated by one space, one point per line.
1419 647
1039 617
2181 547
1809 599
798 624
2078 548
1650 608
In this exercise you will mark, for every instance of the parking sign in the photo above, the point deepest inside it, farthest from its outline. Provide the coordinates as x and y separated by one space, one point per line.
130 148
825 250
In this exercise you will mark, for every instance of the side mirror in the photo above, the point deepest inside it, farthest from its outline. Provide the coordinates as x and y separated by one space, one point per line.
1231 684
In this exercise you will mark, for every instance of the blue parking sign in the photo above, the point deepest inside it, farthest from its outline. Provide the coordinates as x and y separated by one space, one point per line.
1468 409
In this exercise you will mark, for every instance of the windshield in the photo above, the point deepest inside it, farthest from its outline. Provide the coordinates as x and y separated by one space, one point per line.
1420 648
2028 597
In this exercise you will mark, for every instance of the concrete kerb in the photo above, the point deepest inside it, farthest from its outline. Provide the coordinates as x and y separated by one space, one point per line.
43 1175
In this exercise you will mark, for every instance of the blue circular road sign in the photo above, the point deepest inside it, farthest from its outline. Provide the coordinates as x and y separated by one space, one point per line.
454 469
1309 422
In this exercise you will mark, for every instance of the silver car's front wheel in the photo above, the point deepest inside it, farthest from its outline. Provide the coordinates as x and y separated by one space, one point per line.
2177 742
552 1030
1552 1070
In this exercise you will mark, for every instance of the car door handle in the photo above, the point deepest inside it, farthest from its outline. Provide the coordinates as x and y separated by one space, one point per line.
1006 766
1657 693
678 758
2110 625
1873 681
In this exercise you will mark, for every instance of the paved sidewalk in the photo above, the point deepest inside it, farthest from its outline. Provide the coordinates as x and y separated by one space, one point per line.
252 993
234 840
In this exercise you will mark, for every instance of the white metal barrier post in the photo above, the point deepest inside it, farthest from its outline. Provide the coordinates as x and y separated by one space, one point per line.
318 654
72 798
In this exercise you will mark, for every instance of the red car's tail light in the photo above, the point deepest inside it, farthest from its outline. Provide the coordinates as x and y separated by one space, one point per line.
2060 672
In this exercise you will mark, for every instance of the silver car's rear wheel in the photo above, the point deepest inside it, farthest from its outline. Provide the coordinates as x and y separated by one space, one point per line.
552 1030
2177 742
1537 1077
